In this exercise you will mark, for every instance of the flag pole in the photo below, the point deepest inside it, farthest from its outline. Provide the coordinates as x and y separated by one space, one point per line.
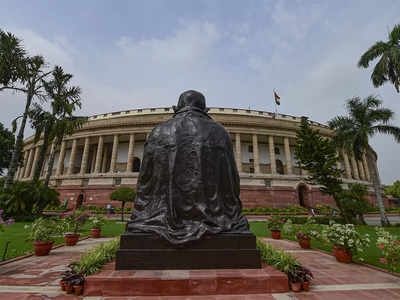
276 106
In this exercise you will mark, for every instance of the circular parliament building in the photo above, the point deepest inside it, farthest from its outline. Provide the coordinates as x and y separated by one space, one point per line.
107 152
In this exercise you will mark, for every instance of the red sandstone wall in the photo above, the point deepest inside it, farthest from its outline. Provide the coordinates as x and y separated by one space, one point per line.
251 196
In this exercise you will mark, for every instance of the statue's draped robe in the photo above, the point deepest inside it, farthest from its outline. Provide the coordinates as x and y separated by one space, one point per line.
188 183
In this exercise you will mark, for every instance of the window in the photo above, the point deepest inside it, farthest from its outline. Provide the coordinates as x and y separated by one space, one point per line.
139 110
277 150
279 167
250 148
117 181
136 164
166 109
267 183
251 160
220 109
85 182
251 170
152 109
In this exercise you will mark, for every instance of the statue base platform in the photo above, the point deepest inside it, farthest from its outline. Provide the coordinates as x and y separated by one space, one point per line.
146 251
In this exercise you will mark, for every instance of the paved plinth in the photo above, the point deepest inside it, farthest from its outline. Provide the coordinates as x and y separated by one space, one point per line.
185 282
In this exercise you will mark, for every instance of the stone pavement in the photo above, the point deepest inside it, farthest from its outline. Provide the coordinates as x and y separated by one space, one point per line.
37 278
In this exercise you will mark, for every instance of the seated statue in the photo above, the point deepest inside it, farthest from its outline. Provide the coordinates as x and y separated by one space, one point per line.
188 184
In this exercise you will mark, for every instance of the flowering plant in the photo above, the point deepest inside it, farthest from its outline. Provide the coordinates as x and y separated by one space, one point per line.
302 231
346 237
390 246
3 222
275 223
42 230
74 220
97 221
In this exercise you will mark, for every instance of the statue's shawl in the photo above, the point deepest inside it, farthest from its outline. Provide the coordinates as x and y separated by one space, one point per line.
188 183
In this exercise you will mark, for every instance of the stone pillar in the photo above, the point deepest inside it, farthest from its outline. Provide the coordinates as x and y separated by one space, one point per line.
104 164
35 161
131 151
23 168
99 154
29 163
361 170
355 168
52 150
72 157
61 157
93 161
288 156
238 152
272 154
256 160
114 155
347 165
85 156
366 167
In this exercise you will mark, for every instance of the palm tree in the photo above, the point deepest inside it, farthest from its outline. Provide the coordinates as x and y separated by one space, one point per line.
365 119
64 100
388 66
60 122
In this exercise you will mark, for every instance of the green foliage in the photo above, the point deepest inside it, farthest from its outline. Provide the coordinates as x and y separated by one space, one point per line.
123 194
318 156
304 231
355 203
388 66
97 221
73 221
6 147
12 58
394 190
27 198
94 259
323 220
43 229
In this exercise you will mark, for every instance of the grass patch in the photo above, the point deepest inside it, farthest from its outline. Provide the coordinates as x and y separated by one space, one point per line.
19 245
370 255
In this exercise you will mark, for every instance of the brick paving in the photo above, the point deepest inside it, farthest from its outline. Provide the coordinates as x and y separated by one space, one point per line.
37 278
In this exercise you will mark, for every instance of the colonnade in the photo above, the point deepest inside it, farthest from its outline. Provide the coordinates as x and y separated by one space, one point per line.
100 161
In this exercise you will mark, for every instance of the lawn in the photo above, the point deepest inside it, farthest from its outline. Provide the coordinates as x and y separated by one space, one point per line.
17 236
370 255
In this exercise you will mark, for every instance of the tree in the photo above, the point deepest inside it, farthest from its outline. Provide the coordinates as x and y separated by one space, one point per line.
19 73
123 194
318 156
355 203
365 119
6 147
394 190
388 66
64 101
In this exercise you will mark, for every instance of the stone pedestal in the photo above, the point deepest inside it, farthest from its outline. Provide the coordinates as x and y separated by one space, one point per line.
145 251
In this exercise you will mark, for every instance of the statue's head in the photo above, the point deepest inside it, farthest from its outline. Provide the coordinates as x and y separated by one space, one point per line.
193 99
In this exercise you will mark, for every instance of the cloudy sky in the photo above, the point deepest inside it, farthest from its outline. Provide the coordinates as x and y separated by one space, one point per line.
130 54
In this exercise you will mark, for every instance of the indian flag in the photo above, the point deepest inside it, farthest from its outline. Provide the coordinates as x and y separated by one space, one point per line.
277 98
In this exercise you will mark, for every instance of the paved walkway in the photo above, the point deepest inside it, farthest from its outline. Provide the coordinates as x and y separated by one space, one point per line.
37 278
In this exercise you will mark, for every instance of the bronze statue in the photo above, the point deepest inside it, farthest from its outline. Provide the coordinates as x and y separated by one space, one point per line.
188 184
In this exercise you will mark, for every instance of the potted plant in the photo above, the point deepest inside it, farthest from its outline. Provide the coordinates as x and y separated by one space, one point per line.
345 240
274 224
97 222
41 233
390 246
295 280
72 224
303 232
72 281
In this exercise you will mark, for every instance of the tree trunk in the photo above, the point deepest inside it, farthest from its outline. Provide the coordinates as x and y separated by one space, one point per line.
51 162
16 155
377 186
122 211
42 154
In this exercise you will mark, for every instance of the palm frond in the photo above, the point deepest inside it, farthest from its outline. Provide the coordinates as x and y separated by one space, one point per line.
387 129
372 53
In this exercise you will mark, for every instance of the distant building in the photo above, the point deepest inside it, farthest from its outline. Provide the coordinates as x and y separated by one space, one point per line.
107 153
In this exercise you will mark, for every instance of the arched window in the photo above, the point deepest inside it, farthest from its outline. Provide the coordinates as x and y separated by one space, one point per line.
136 164
279 167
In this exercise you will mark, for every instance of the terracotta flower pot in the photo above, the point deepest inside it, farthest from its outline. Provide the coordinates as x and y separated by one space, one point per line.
42 248
78 289
71 239
62 285
306 285
342 255
69 288
296 286
276 234
95 233
305 243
